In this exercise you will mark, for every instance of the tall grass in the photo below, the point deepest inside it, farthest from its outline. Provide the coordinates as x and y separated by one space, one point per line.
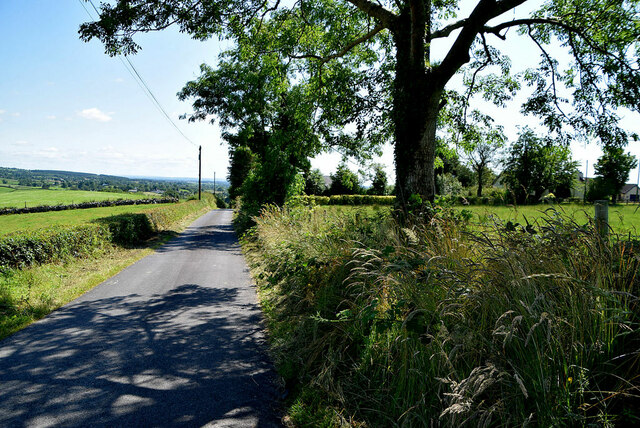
435 324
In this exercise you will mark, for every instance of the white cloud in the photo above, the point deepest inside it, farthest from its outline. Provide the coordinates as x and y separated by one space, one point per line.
2 111
49 153
119 80
15 114
51 117
94 114
21 143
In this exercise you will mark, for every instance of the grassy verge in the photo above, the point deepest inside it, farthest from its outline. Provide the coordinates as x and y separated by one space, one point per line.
31 293
374 324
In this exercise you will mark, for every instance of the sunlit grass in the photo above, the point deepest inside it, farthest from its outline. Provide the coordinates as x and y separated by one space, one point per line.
622 218
443 323
31 197
28 222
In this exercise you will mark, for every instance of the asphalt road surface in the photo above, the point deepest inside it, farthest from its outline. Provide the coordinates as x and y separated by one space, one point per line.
175 339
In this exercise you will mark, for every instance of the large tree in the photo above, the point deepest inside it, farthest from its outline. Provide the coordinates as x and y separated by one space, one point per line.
378 181
371 64
535 165
481 157
267 123
613 170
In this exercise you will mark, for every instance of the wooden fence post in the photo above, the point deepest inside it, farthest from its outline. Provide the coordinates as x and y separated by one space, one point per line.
602 217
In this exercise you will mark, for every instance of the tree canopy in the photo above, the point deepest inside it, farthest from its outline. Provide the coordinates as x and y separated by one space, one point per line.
368 71
534 165
612 169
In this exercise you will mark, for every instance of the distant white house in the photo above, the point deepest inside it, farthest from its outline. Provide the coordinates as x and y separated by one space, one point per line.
629 193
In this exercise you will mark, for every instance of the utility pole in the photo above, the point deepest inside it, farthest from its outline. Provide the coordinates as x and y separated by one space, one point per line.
199 172
214 184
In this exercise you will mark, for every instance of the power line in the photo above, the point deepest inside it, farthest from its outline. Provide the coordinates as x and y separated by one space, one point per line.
141 82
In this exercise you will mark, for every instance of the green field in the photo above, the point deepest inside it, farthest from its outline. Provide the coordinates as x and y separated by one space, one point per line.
28 222
622 218
31 197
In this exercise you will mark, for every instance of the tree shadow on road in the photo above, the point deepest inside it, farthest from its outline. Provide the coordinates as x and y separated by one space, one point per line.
215 237
191 357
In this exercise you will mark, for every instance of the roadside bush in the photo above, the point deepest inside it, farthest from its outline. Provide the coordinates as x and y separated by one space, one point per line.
22 249
86 205
50 245
347 200
129 229
220 203
433 324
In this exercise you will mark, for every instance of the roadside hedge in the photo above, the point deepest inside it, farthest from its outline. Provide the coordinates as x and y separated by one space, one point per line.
348 200
23 249
44 246
85 205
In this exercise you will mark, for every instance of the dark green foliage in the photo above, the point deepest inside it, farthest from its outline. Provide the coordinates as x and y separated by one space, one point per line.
241 161
451 164
598 189
379 182
369 67
344 181
25 249
534 165
314 183
129 229
268 123
613 170
220 203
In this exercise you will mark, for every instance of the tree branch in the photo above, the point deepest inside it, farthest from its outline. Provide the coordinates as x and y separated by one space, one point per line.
446 31
458 55
387 18
344 50
553 71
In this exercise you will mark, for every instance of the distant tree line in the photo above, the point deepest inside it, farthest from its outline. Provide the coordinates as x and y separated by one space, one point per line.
527 171
104 183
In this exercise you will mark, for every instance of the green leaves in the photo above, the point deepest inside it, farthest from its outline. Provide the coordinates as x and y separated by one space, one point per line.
534 165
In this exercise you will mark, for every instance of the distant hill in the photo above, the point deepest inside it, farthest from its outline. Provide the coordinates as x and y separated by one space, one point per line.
219 181
107 183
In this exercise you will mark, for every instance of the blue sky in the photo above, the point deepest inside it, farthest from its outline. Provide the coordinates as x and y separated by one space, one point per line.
64 104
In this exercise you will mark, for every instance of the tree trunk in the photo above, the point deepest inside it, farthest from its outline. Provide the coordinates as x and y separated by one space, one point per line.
480 179
415 115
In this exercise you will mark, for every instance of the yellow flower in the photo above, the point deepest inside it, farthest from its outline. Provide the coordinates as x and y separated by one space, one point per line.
569 379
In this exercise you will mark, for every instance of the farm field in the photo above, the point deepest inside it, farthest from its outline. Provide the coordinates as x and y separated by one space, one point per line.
29 222
622 218
31 197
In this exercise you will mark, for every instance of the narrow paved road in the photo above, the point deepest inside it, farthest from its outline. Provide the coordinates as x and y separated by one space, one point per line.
174 340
